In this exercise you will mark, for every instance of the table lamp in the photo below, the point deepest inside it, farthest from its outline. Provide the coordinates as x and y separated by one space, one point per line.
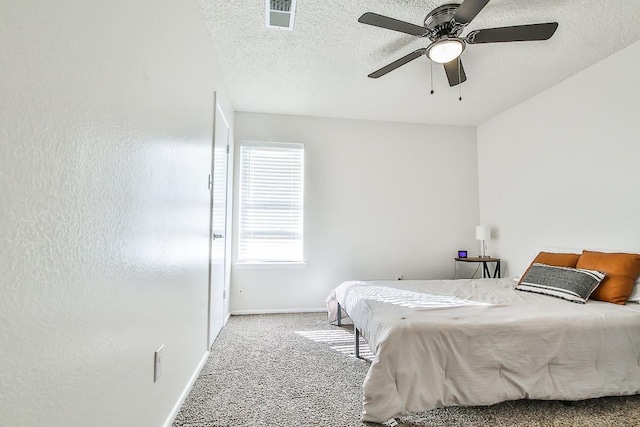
483 234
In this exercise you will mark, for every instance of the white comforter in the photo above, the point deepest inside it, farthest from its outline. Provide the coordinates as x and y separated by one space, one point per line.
480 342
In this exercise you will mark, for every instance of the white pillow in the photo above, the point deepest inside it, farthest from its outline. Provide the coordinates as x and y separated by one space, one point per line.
635 293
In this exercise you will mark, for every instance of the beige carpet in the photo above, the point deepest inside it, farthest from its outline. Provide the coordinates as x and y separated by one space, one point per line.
296 370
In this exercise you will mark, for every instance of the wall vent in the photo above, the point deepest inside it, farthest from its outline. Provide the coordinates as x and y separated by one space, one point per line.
280 13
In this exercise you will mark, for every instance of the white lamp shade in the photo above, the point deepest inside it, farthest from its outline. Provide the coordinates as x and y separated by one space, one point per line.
445 50
483 233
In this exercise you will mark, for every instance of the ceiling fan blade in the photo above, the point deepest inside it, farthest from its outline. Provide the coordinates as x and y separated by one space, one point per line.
468 10
376 20
451 68
518 33
397 63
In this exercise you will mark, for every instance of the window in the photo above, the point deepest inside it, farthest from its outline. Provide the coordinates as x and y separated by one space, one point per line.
271 202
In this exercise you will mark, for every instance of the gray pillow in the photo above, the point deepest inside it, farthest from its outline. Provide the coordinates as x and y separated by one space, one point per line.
571 284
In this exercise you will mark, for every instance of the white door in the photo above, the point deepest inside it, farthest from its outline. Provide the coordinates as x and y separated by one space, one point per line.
218 225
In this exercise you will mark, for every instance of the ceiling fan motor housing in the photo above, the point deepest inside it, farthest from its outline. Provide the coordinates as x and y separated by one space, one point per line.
440 23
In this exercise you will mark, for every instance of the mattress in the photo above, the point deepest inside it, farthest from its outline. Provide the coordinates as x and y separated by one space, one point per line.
478 342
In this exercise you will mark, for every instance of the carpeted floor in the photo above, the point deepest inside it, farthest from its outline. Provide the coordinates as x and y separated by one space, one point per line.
296 370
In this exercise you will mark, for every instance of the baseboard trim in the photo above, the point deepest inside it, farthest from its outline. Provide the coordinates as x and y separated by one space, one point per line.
279 311
185 392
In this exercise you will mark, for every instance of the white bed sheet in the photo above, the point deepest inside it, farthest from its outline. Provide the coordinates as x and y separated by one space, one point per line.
487 344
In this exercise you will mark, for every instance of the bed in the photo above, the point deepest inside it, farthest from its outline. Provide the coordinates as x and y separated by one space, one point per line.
443 343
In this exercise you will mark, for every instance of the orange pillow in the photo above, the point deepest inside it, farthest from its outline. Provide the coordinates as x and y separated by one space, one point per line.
555 259
622 271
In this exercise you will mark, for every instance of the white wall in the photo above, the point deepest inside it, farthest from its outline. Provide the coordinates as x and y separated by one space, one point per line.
380 199
561 169
106 127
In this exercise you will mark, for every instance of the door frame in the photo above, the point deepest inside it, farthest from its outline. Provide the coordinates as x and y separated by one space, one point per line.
217 109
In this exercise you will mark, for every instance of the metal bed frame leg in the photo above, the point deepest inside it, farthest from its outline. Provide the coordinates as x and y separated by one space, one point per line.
356 332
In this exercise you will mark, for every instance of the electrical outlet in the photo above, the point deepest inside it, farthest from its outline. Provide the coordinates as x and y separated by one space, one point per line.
240 290
399 276
158 362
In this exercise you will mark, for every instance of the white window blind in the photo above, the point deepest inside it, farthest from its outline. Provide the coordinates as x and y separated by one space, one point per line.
271 202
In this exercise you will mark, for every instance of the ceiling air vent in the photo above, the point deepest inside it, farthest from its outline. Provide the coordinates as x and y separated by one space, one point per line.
280 13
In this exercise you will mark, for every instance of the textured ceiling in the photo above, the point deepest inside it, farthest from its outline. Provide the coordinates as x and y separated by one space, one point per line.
320 68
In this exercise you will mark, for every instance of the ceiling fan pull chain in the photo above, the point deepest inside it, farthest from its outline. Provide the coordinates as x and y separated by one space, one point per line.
459 81
431 64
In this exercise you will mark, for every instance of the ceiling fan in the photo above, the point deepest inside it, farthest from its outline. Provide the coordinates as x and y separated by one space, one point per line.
443 26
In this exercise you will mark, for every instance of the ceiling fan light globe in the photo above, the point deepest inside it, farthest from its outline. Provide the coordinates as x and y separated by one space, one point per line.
443 51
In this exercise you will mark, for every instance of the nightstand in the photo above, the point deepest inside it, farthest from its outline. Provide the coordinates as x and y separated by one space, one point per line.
485 269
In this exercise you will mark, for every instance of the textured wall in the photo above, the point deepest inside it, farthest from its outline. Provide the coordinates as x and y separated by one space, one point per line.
106 126
561 169
380 199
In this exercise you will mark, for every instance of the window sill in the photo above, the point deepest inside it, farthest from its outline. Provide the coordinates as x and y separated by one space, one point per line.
269 265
